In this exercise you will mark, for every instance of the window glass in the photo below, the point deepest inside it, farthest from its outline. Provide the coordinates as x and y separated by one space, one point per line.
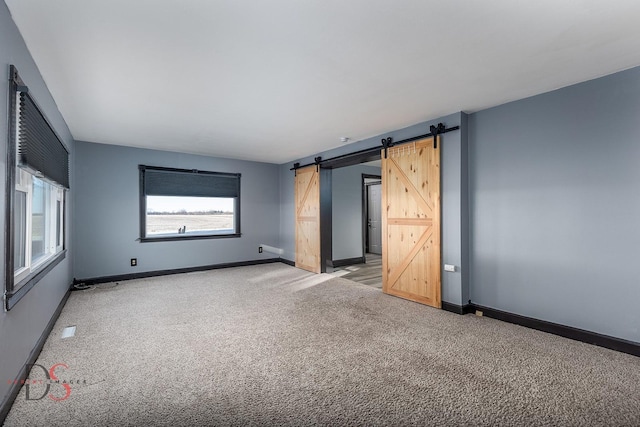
38 224
38 219
175 215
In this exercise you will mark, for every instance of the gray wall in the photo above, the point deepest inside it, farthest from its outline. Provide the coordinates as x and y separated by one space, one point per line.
555 207
21 328
346 206
287 235
453 216
453 150
107 212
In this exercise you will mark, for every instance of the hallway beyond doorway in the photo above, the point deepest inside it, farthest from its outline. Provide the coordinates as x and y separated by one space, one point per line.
368 274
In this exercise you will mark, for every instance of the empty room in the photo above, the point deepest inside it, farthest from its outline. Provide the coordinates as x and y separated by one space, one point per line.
320 213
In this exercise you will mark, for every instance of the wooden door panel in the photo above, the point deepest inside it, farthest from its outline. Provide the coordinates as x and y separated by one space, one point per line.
410 242
306 252
411 274
411 222
408 200
307 198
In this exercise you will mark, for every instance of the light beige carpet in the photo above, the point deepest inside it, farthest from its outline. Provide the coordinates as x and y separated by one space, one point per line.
271 344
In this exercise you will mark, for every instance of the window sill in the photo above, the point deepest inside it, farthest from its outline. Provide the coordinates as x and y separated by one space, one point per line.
188 237
30 281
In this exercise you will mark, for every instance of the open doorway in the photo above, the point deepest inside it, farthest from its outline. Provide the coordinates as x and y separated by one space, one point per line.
372 214
356 223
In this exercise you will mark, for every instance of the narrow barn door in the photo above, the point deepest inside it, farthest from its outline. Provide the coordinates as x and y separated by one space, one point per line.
411 222
307 195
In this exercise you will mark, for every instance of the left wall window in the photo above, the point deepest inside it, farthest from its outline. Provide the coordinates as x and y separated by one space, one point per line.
37 180
38 225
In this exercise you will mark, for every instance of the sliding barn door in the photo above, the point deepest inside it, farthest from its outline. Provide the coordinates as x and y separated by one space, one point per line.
307 195
411 222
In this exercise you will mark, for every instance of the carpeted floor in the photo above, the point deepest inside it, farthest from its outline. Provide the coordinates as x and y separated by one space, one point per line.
271 344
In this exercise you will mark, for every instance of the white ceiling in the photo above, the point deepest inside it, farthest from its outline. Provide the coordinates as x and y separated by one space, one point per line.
281 79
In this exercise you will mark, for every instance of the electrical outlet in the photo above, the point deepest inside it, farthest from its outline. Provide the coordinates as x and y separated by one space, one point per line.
134 262
259 249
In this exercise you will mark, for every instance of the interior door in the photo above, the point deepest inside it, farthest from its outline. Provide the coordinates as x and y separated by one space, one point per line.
411 222
307 197
374 218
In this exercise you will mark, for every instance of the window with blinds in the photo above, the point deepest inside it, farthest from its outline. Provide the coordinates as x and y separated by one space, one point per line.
37 177
178 204
39 149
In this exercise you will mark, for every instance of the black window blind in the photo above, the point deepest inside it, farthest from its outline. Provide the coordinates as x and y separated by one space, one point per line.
39 148
189 183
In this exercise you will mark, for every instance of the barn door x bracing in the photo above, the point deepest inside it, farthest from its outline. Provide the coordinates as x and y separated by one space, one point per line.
307 194
411 222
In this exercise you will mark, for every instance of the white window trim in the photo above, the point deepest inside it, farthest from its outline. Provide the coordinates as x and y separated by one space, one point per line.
24 185
59 197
